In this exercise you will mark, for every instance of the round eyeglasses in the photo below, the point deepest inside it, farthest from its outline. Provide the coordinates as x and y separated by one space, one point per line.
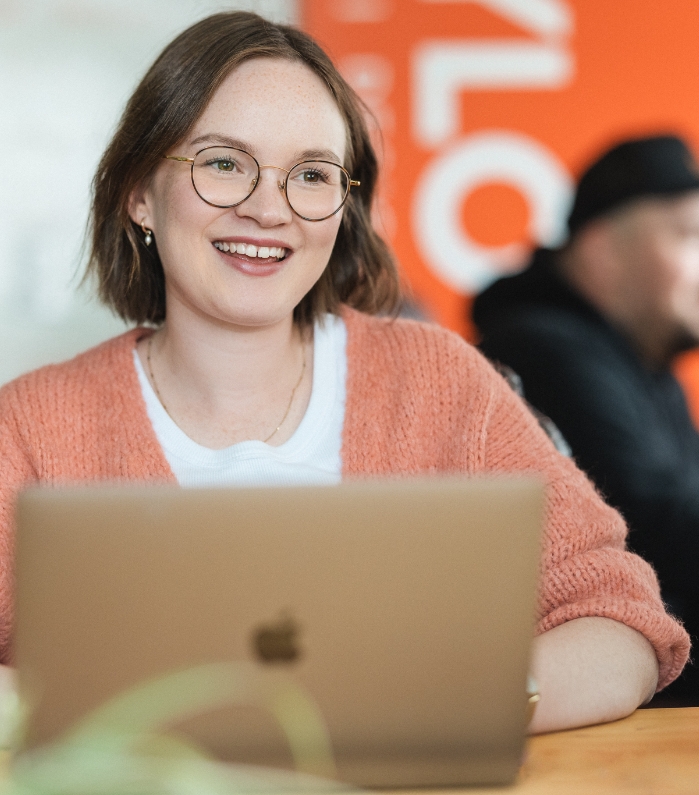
225 177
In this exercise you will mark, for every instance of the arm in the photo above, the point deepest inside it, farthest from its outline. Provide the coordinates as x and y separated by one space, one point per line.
600 619
590 670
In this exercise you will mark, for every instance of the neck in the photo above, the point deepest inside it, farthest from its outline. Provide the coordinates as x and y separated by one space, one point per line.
224 384
221 358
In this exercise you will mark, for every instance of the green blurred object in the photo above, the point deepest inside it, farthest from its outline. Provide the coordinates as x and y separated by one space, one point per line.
120 748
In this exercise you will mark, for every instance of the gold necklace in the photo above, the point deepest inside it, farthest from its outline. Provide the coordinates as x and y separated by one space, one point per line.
167 411
293 393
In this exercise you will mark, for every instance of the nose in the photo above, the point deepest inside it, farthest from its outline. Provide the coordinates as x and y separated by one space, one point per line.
267 203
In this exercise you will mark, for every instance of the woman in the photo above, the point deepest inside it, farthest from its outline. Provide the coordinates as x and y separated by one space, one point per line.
232 213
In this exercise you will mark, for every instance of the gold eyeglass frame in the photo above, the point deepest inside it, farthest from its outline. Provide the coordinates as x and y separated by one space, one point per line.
282 185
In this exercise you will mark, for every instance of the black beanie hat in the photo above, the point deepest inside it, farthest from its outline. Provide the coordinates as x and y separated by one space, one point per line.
661 165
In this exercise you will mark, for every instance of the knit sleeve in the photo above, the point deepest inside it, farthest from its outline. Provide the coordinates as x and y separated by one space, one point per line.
16 472
585 568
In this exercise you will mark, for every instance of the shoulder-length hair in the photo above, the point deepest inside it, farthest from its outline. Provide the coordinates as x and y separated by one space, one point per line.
164 108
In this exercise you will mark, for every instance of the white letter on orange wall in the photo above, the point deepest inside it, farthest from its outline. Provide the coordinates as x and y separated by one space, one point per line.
491 156
442 70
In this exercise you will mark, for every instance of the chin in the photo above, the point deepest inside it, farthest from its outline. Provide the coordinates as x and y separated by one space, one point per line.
255 317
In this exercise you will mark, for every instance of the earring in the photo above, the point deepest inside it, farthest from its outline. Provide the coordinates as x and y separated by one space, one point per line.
148 239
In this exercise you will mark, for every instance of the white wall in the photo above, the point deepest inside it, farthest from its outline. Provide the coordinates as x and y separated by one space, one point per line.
66 69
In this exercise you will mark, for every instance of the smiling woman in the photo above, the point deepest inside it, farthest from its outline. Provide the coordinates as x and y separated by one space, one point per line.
229 200
232 215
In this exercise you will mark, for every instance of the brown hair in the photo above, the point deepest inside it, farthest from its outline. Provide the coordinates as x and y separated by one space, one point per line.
167 103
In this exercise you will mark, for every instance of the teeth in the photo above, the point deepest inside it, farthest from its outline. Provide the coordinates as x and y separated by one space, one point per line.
263 252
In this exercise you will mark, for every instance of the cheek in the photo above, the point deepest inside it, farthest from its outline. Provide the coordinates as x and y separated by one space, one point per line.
322 239
181 220
178 207
684 276
328 235
680 282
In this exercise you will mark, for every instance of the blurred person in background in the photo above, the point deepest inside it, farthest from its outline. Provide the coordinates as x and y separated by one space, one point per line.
592 330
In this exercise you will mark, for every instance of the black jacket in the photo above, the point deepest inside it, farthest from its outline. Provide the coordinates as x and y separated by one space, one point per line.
628 426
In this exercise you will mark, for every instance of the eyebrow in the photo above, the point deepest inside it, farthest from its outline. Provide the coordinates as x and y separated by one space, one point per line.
235 143
223 140
318 154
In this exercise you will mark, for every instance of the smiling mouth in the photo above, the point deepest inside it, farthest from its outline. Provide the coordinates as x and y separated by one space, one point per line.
251 251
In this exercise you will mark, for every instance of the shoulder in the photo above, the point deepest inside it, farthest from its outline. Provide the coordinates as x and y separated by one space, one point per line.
555 325
78 380
560 342
377 341
417 370
419 398
536 307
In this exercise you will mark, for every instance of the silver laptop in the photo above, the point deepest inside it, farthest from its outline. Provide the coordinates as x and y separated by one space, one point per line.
403 609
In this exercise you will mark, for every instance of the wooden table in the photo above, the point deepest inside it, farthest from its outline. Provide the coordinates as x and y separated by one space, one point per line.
653 752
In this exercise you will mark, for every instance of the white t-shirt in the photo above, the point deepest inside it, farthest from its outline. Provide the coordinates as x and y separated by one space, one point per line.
310 457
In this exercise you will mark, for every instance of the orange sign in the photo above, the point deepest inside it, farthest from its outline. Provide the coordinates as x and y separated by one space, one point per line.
488 107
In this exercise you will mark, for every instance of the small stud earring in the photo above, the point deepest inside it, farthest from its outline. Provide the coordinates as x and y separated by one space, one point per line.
148 239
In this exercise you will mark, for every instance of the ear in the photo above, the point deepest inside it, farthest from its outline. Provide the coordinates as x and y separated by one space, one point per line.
139 206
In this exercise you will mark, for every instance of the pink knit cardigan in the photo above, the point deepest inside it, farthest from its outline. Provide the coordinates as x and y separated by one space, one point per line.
419 400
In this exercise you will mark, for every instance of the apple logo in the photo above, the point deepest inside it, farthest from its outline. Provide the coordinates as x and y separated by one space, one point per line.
278 641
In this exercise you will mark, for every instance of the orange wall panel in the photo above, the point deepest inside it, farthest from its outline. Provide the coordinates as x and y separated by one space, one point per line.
488 109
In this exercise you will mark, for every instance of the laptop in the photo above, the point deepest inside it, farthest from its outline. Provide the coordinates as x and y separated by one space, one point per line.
402 610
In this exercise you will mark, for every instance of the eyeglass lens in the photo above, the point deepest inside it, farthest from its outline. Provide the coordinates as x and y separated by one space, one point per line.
224 177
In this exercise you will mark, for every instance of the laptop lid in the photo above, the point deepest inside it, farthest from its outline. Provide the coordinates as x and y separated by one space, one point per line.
405 609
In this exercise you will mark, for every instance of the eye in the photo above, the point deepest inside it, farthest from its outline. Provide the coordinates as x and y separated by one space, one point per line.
312 176
223 164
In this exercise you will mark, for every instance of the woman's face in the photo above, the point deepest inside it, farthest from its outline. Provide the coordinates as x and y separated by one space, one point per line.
280 112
